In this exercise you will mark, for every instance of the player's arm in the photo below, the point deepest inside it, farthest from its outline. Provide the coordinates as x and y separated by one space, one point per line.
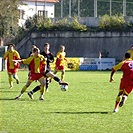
114 69
51 59
111 75
6 56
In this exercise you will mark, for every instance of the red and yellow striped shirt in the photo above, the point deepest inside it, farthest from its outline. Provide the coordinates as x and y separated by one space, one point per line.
36 64
9 56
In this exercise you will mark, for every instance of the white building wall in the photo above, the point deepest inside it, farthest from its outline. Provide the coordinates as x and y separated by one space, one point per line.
30 9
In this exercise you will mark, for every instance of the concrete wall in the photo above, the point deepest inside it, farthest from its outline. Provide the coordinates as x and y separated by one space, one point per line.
79 44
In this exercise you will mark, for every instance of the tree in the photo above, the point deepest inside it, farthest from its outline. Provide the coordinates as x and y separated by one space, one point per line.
9 14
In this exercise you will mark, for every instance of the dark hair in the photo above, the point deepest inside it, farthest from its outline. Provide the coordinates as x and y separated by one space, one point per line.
11 44
35 49
46 44
127 55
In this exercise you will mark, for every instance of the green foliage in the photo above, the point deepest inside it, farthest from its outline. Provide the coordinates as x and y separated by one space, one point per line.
8 17
63 24
75 25
113 23
85 108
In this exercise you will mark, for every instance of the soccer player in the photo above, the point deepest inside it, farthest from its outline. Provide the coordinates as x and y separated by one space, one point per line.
131 51
12 68
50 58
37 64
126 85
60 60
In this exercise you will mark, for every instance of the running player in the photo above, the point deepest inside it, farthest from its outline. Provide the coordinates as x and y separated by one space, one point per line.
60 62
12 68
126 85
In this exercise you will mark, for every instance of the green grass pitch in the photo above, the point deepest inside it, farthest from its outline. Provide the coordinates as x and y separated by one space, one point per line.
85 108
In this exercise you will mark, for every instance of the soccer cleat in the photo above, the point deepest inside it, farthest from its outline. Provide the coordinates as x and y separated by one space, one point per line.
17 81
115 110
17 98
63 83
10 87
30 95
41 98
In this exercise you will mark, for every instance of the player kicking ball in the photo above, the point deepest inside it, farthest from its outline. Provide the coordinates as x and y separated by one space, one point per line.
126 84
47 74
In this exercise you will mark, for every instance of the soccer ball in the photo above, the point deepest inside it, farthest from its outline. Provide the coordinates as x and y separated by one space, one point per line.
64 87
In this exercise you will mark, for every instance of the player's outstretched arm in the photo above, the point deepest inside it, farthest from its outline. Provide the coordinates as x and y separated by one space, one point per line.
111 75
17 60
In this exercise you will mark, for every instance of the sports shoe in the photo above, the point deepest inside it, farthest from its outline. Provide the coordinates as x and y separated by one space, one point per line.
10 87
41 98
17 98
63 83
30 95
115 110
17 81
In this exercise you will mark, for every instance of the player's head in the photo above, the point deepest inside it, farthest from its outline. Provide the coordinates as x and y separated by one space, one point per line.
62 48
11 47
33 46
36 51
46 46
127 55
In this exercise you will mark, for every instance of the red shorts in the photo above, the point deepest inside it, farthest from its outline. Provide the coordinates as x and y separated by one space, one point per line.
126 85
35 76
12 71
60 68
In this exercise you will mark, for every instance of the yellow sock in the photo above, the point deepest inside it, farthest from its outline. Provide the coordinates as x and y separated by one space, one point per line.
23 89
10 81
62 77
41 90
118 98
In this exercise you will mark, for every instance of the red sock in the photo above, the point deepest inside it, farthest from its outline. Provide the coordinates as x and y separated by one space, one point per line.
116 104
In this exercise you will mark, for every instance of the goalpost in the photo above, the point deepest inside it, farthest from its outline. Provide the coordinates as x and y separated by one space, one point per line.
3 49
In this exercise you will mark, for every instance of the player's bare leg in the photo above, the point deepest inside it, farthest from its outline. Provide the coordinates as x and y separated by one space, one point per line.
62 75
16 78
42 87
24 89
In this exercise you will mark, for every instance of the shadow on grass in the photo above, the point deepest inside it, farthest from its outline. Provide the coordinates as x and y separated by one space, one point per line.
8 99
93 112
20 100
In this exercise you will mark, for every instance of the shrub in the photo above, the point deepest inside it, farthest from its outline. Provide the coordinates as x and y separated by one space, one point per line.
113 23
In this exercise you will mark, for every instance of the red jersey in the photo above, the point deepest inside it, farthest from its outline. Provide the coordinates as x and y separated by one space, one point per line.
9 56
127 80
60 58
127 68
36 64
